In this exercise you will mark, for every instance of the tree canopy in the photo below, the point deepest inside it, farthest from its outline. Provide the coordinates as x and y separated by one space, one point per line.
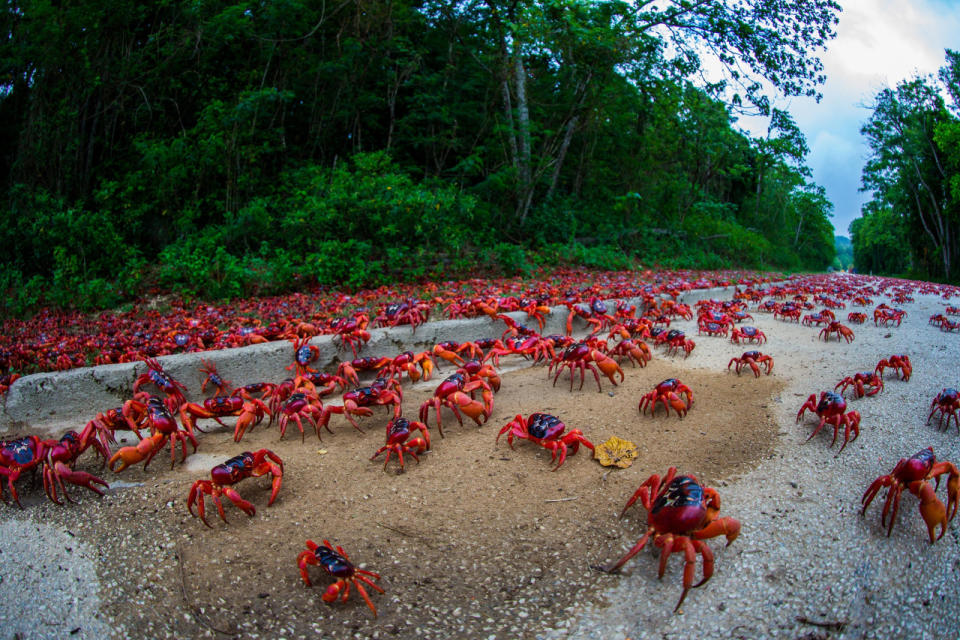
913 174
224 147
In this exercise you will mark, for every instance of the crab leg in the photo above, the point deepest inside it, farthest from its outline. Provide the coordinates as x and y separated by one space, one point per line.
634 550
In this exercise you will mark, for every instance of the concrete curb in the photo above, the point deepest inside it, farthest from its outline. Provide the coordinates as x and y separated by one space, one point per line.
48 404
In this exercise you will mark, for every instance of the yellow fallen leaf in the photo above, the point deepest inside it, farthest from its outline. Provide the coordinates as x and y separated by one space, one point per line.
321 451
616 452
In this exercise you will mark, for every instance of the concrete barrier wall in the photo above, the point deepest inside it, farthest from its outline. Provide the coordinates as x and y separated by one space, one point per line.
48 404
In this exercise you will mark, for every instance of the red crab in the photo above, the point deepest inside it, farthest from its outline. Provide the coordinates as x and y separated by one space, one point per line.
835 327
55 457
677 340
583 356
304 354
548 432
787 312
947 402
359 401
636 352
476 369
337 564
900 363
323 383
856 317
352 332
913 475
595 314
163 381
348 370
146 410
106 423
249 412
302 404
670 392
536 347
681 513
213 378
753 359
399 431
823 317
882 317
860 381
450 351
713 329
830 409
412 312
408 362
747 334
222 476
455 393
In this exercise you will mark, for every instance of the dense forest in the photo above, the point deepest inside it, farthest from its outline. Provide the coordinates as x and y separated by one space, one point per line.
230 148
912 222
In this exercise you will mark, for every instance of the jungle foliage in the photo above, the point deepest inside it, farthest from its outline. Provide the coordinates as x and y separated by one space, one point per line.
227 148
912 223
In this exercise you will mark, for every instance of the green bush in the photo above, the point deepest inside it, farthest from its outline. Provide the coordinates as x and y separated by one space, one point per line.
199 265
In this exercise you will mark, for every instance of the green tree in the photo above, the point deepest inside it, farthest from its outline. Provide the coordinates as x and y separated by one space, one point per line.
912 168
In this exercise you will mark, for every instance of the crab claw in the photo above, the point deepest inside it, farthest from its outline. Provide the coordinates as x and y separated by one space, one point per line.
932 511
145 450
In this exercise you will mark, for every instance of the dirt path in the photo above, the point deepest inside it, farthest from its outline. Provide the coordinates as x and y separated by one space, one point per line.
477 540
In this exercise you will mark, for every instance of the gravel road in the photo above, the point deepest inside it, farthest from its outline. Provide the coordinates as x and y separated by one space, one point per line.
806 564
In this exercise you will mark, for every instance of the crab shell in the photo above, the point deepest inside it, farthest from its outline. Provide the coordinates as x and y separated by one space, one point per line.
680 508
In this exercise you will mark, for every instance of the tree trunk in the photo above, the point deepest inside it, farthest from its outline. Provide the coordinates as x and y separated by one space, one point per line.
525 188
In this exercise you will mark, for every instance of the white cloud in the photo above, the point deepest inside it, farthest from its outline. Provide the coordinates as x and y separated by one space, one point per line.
879 43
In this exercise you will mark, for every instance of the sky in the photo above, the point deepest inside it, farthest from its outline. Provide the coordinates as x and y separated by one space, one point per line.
878 44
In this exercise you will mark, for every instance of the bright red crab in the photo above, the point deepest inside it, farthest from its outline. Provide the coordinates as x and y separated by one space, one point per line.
681 513
304 354
477 370
900 363
348 370
408 361
752 359
913 474
352 332
399 431
249 412
595 314
840 330
675 341
456 393
860 383
337 564
583 356
548 432
213 378
149 411
830 409
671 393
323 383
359 402
55 457
413 312
747 334
451 350
713 329
237 468
947 402
163 381
303 404
636 352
